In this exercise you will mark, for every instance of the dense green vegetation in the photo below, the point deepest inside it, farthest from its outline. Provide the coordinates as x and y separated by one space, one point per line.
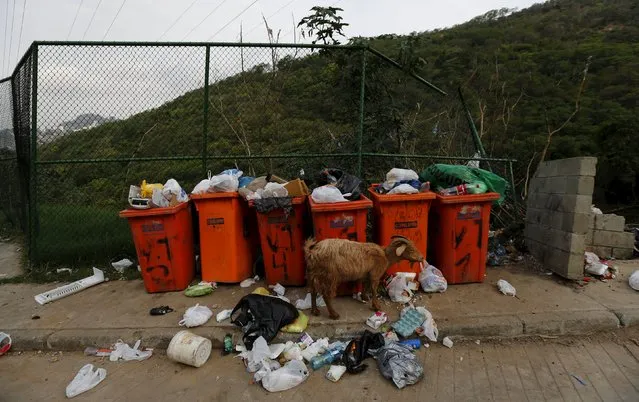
522 74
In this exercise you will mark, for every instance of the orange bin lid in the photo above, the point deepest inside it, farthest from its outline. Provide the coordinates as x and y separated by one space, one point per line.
428 195
462 199
362 203
140 213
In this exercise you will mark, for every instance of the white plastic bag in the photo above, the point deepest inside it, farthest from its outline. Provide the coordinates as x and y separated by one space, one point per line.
432 280
223 183
593 265
121 265
202 187
195 316
633 281
85 380
223 315
278 289
398 289
274 190
506 288
316 348
261 353
397 174
404 189
327 194
293 352
249 282
291 375
429 326
123 351
158 199
305 303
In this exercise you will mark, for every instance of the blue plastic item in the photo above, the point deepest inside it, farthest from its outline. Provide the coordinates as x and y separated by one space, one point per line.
406 325
327 358
413 343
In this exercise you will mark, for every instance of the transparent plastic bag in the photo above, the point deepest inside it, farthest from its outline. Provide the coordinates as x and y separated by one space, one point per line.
274 190
195 316
291 375
398 363
398 289
202 187
633 281
404 189
327 194
123 351
432 280
85 380
397 174
506 288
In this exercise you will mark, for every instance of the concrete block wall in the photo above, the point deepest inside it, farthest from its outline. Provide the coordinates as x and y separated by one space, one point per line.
606 237
558 216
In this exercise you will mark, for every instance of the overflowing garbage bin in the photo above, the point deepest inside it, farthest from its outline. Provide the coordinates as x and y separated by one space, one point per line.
282 239
458 235
401 215
228 237
163 239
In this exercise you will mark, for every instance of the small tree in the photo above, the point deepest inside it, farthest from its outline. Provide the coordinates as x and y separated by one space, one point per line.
323 24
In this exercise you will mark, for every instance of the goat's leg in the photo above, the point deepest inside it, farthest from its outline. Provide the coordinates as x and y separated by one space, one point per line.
329 305
374 283
314 310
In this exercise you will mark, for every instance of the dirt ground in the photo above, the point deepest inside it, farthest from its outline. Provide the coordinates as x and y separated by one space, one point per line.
605 367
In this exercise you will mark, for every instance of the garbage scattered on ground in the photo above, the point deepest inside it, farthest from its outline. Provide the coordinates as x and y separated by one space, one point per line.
633 281
327 358
377 319
432 280
124 352
347 184
249 282
579 379
121 265
223 315
278 289
187 348
201 289
196 316
228 344
594 266
398 363
262 316
428 327
261 291
317 347
506 288
334 373
75 287
298 326
35 317
86 379
5 343
447 342
97 352
442 176
412 343
410 320
290 376
61 270
358 349
305 303
398 288
161 310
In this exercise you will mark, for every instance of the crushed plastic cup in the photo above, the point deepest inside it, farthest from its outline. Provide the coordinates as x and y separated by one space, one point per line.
334 373
447 342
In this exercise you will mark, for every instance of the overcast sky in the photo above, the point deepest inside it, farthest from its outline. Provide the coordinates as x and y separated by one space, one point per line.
23 21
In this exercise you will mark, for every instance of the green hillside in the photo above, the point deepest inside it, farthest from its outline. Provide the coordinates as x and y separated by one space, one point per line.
521 73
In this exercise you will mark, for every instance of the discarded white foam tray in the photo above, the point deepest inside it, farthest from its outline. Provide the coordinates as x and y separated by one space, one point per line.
75 287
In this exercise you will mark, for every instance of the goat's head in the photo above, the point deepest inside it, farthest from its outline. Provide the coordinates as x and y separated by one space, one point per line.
403 249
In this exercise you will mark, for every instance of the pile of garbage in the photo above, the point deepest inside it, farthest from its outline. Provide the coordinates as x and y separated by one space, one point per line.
156 195
461 179
601 269
402 181
336 186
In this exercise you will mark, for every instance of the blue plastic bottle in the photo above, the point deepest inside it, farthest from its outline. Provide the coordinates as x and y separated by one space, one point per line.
327 358
413 343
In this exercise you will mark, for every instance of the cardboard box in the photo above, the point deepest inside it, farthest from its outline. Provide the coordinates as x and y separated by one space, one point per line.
296 188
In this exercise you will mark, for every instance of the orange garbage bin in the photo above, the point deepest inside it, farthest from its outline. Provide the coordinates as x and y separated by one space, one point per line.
163 239
341 220
402 215
228 237
282 243
458 234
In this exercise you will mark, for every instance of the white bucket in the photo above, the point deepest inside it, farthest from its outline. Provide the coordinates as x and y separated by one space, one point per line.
188 348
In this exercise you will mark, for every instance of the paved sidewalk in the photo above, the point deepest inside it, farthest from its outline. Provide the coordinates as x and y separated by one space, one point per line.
119 309
511 371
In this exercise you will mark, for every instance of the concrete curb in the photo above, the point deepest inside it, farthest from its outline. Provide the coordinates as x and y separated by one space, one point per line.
500 326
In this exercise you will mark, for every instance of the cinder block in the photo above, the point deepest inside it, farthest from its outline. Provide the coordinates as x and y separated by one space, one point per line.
561 202
588 238
611 222
591 221
569 265
622 253
582 166
559 239
565 221
581 185
601 251
613 239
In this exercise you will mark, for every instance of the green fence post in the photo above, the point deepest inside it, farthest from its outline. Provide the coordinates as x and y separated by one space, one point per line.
205 120
512 182
33 173
360 133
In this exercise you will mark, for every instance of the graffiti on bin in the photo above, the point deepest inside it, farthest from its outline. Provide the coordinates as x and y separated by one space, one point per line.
406 225
345 221
467 212
215 221
463 265
154 226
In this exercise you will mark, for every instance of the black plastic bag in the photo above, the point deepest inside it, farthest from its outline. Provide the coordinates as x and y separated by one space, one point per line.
357 350
346 183
262 316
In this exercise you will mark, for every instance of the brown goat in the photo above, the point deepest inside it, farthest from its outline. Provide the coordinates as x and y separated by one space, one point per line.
332 261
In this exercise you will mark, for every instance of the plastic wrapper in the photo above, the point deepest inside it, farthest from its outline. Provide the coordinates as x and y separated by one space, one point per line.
432 280
291 375
397 363
86 379
196 316
327 194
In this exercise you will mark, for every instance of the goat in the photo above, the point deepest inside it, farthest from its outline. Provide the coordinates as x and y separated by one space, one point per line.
332 261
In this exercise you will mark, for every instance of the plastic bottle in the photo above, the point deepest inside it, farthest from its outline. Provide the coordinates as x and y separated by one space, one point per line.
327 358
228 344
413 343
470 188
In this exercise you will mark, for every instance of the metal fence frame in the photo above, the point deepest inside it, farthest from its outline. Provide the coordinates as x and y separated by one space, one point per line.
30 170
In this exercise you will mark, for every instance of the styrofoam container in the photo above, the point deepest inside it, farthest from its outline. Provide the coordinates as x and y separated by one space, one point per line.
188 348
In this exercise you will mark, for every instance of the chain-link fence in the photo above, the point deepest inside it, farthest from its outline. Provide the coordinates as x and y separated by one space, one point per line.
89 119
